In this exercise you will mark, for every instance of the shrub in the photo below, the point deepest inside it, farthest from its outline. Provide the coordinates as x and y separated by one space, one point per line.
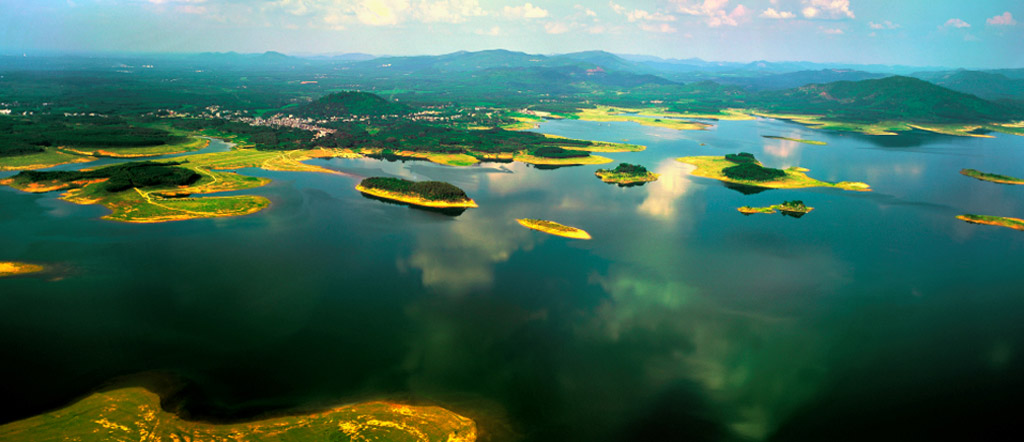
752 172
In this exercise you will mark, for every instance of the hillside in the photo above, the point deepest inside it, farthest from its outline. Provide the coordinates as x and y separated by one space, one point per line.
987 85
350 103
888 99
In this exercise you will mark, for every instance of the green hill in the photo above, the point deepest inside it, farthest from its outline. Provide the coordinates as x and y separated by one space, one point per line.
987 85
888 99
350 103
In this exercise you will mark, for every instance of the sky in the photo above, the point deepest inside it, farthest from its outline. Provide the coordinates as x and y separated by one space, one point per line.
969 34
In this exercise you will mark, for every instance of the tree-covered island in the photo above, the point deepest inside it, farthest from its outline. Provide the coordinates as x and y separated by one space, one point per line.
795 208
742 168
432 194
626 174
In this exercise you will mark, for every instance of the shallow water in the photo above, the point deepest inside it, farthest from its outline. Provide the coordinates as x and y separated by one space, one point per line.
878 314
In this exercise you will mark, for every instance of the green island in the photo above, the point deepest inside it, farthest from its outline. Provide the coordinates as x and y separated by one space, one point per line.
553 228
609 113
1001 221
798 140
433 194
135 414
744 169
11 268
991 177
626 174
795 208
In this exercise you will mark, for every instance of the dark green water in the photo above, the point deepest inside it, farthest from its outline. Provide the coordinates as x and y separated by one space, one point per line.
877 316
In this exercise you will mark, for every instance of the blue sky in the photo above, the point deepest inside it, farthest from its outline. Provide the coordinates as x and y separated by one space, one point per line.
980 33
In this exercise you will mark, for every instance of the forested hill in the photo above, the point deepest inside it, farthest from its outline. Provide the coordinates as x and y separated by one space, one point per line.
893 98
350 103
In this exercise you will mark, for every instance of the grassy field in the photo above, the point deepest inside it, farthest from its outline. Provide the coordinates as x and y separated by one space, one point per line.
602 146
795 178
524 157
1001 221
991 177
52 157
605 113
191 144
626 175
134 414
553 228
9 268
747 210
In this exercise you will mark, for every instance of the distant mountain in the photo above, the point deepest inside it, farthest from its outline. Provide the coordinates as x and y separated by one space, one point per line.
800 78
987 85
894 98
350 103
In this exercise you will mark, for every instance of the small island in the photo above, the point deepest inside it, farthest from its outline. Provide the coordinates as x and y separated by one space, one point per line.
10 268
991 177
742 168
432 194
626 175
795 209
1000 221
553 228
798 140
135 414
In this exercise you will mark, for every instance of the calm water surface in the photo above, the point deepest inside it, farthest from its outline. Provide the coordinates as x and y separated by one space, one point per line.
878 315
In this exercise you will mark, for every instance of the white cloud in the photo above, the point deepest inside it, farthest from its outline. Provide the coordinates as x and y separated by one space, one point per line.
493 32
449 11
831 31
716 11
827 9
587 11
956 23
1005 19
779 15
527 10
657 27
883 25
381 12
556 28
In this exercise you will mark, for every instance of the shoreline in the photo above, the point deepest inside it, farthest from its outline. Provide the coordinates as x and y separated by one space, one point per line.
554 228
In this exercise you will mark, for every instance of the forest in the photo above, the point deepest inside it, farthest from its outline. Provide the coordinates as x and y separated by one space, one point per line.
429 190
20 135
121 177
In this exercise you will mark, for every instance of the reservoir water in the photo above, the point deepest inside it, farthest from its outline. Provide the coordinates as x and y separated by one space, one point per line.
877 316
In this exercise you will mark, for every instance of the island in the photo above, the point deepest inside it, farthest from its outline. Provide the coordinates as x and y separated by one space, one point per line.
135 414
10 268
1000 221
431 194
626 175
798 140
553 228
795 209
991 177
742 168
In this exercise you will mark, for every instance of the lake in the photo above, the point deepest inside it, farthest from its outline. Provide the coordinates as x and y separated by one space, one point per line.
879 315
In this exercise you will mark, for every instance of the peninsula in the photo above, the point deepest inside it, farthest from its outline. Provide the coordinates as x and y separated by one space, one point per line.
135 414
432 194
743 168
553 228
991 177
10 268
1000 221
626 175
798 140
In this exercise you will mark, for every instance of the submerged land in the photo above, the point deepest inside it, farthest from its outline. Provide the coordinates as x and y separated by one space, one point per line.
553 228
135 414
795 208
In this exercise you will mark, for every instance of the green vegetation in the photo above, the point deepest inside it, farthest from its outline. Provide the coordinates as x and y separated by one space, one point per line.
798 140
741 158
795 209
436 194
118 177
9 268
626 174
752 171
1000 221
136 414
553 228
992 177
557 152
792 178
348 103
